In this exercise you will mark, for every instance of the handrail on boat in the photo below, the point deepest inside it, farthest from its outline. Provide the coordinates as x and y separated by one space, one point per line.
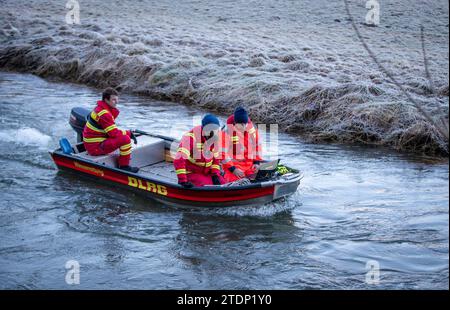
145 133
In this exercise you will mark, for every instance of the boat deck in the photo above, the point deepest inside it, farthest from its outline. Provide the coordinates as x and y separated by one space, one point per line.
149 155
163 171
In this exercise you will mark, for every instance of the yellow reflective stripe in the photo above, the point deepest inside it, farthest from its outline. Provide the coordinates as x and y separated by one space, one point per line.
94 128
94 116
193 161
102 112
208 164
200 145
93 140
180 171
215 167
190 134
234 138
184 150
252 130
126 146
197 163
124 132
216 154
109 128
124 153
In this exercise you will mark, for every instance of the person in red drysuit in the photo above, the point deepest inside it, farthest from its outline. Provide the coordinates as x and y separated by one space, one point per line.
197 162
101 135
241 149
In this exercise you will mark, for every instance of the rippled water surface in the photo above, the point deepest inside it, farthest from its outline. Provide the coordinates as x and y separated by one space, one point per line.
354 205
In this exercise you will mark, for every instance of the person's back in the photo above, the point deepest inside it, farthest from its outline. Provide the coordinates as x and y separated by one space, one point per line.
101 136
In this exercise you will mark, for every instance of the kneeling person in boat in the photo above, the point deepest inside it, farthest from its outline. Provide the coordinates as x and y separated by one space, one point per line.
241 149
101 135
197 160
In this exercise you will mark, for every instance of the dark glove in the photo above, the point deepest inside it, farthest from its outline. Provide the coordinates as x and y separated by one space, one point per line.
133 137
216 180
187 184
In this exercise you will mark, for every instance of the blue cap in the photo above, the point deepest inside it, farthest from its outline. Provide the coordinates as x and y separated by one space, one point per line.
240 116
210 119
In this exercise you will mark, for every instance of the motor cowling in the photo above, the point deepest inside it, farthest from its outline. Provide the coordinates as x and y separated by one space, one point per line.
77 120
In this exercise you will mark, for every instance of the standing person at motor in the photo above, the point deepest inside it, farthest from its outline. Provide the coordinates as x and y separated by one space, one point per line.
197 162
241 149
101 135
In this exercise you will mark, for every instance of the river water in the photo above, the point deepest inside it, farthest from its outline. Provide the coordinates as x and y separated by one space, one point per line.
356 207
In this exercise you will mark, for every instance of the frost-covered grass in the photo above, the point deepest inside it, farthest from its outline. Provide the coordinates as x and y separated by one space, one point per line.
295 63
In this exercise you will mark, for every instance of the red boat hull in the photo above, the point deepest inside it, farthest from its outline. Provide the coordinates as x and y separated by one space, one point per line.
166 193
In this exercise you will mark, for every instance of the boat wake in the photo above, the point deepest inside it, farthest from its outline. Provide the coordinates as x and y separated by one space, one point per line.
266 210
25 136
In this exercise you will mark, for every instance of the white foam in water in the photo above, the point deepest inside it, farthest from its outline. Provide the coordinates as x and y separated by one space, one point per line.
266 210
25 136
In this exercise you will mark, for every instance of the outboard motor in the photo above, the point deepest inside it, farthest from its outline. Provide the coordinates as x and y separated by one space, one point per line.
78 119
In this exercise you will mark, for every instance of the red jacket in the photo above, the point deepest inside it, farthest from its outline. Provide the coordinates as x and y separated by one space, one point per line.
104 116
240 147
191 156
